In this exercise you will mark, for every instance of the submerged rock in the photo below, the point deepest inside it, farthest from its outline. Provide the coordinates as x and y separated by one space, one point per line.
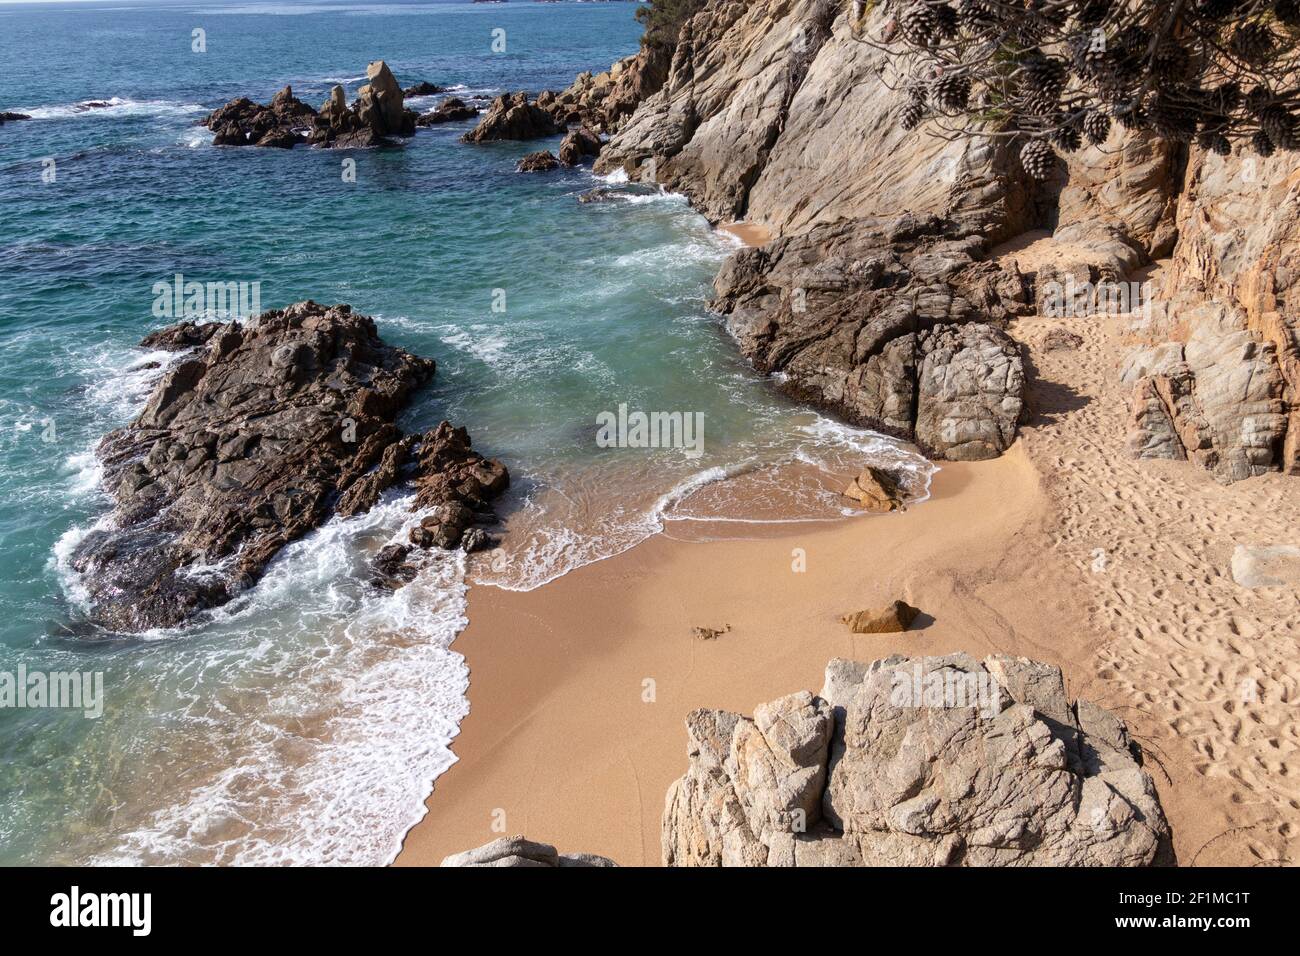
915 762
12 117
262 434
423 88
449 110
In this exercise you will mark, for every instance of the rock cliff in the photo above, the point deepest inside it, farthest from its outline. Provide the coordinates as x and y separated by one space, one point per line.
915 762
881 300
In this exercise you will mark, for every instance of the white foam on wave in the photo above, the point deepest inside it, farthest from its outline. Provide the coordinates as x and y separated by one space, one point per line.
117 108
363 698
482 341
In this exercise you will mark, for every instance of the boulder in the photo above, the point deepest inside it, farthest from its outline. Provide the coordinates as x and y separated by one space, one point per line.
512 116
577 145
875 490
916 762
540 162
893 618
519 851
8 117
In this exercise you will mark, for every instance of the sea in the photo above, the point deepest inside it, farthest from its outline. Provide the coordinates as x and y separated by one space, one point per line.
307 721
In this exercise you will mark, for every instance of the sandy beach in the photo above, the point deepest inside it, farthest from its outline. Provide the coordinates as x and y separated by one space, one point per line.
1064 550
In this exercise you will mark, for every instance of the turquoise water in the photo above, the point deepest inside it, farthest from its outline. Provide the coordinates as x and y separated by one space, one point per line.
306 721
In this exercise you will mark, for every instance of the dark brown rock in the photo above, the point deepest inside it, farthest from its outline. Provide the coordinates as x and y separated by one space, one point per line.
540 162
578 145
284 122
449 110
266 431
511 116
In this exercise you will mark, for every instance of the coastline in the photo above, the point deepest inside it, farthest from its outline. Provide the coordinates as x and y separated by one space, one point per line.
559 740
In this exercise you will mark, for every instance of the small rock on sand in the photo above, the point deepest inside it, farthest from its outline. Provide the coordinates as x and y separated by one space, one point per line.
890 619
875 490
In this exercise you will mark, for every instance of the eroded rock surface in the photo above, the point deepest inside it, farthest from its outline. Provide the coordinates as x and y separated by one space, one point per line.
257 437
915 762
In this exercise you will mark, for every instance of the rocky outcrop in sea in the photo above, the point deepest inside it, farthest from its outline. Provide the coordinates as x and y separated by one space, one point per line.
376 116
261 434
916 762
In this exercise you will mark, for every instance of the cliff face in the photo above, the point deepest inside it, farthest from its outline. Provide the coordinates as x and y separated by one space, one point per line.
880 300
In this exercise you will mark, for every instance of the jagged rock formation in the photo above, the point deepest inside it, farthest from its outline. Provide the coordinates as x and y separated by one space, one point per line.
450 110
915 762
266 431
376 115
423 88
283 123
518 851
604 101
874 302
512 116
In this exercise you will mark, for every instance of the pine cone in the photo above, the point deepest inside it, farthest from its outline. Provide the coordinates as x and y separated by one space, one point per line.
1093 12
918 24
1216 9
1213 142
976 15
1287 12
1278 123
1131 116
1253 43
1171 64
1067 137
1096 126
950 92
1227 98
910 116
945 19
1037 159
1262 144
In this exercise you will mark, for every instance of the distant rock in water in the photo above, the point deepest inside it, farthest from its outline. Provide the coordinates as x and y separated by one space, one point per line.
270 428
284 122
916 762
539 162
449 110
511 116
519 851
374 117
423 89
12 117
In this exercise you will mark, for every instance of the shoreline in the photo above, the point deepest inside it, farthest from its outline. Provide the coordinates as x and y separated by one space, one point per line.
557 674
